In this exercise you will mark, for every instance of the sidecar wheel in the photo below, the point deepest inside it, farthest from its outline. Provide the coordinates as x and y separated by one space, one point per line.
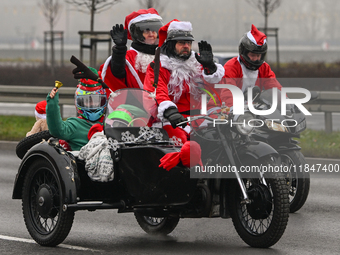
157 225
42 205
262 222
26 143
298 182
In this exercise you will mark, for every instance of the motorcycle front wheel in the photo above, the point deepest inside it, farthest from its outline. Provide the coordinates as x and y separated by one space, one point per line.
42 205
298 181
156 225
262 222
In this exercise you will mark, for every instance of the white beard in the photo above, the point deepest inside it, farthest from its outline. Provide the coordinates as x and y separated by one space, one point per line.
188 71
142 61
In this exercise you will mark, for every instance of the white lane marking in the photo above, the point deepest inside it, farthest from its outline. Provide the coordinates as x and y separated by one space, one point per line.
66 246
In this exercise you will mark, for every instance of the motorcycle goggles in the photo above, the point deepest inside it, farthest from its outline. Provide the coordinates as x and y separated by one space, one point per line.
91 101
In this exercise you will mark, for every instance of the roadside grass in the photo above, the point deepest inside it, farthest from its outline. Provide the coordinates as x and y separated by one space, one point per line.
14 128
320 144
313 143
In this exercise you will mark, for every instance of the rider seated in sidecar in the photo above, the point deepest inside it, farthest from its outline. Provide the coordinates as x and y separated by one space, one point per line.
90 102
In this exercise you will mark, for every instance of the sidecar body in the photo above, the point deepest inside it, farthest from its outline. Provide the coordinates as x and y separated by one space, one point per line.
136 153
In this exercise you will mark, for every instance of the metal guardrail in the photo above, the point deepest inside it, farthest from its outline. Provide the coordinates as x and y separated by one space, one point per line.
327 101
34 94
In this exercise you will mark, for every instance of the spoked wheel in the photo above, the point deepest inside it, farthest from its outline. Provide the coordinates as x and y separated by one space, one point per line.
156 225
42 205
262 222
298 181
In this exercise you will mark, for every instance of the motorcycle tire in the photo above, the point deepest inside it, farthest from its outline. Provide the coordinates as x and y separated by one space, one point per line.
262 222
25 144
156 225
298 181
42 205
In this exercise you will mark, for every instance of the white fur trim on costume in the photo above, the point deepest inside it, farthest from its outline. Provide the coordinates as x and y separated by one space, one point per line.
249 77
217 76
187 129
180 25
144 17
162 107
167 123
252 38
106 64
134 73
142 61
40 115
132 70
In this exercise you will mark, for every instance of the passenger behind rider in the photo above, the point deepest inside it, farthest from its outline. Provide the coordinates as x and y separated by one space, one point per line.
127 68
90 102
249 69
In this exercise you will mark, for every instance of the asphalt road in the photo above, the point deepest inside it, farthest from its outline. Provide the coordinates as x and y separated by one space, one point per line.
312 230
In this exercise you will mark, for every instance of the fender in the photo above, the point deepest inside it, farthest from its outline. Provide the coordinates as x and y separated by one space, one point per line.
282 147
64 166
256 150
280 144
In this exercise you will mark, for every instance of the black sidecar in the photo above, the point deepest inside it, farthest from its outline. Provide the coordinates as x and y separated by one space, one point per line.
54 183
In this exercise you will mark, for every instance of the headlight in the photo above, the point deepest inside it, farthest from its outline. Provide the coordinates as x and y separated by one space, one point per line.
272 125
301 126
242 125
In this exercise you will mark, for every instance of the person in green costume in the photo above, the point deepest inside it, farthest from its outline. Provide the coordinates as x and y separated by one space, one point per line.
90 102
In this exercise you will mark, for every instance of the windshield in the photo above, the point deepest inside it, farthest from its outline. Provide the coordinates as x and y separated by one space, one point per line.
267 97
130 108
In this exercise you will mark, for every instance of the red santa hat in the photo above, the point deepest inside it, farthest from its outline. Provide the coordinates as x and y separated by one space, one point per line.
256 36
175 30
40 109
139 16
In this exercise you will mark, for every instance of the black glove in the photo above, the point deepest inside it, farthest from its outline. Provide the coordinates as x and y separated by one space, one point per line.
118 61
174 117
206 57
119 35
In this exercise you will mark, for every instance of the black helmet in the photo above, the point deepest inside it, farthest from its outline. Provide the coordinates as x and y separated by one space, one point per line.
254 41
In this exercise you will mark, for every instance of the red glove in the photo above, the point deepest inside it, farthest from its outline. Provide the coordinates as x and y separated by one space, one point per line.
190 155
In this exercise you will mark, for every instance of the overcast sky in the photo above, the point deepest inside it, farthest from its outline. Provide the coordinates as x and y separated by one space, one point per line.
221 22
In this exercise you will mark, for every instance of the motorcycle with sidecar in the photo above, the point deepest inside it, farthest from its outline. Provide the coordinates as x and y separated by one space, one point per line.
54 183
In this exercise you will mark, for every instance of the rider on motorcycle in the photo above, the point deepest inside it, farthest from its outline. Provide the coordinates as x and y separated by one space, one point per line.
182 75
249 69
90 102
127 68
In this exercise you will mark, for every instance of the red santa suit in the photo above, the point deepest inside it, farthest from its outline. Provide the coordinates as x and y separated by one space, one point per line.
135 68
136 61
179 85
237 74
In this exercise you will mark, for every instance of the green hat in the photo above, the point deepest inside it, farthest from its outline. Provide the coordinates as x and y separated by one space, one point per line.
89 82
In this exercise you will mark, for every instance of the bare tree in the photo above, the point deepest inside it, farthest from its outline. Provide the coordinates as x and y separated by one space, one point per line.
266 7
146 4
51 10
92 7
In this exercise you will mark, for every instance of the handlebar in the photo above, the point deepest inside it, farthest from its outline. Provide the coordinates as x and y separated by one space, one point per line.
190 119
